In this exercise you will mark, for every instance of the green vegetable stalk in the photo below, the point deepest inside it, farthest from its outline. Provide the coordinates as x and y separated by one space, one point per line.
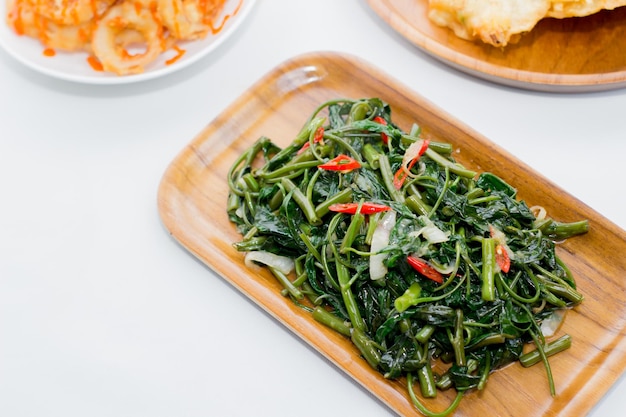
488 270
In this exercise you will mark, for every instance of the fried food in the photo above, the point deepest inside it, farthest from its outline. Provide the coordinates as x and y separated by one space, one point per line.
123 35
24 18
500 22
123 25
188 19
70 12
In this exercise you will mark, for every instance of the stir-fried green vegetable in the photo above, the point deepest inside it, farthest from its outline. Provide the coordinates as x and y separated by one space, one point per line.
393 244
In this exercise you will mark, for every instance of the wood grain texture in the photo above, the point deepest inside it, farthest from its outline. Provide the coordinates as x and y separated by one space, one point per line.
558 55
192 205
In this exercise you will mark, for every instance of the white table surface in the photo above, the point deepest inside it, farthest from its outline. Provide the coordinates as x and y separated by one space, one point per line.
103 314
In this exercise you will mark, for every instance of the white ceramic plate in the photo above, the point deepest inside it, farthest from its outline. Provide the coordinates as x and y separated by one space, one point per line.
74 67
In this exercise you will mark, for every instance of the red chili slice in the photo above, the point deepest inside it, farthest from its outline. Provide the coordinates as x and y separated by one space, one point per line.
319 135
502 254
502 259
383 136
399 178
351 208
425 269
342 163
402 173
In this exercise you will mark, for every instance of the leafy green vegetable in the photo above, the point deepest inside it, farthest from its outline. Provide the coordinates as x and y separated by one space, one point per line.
469 273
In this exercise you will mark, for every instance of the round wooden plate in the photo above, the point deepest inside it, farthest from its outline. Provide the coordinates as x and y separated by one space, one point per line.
558 55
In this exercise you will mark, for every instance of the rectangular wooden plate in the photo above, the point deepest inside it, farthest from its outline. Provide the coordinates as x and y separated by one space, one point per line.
192 204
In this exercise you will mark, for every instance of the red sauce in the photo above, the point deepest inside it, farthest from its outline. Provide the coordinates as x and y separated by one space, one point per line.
179 53
94 63
15 16
49 52
216 30
94 7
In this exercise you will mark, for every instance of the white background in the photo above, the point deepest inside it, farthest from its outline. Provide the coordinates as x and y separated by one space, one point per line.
103 314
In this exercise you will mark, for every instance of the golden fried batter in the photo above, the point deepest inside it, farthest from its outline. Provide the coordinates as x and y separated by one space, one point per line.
499 22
